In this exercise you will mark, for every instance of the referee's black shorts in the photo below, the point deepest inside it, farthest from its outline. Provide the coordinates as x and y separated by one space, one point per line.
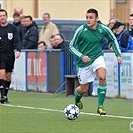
7 61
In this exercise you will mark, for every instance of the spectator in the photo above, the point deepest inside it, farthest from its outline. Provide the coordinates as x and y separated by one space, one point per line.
123 37
131 24
112 21
16 18
59 42
52 42
30 37
23 29
47 29
16 23
42 45
104 40
22 21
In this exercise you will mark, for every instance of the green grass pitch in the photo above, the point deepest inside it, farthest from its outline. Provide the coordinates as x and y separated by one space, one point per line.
30 112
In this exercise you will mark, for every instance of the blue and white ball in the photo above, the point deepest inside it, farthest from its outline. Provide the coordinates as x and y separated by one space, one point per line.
71 112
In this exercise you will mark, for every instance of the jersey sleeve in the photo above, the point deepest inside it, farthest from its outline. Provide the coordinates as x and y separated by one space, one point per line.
73 46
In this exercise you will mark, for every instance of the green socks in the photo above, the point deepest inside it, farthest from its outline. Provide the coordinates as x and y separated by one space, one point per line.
101 91
77 96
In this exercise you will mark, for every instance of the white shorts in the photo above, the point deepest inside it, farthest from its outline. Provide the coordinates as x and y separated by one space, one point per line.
87 74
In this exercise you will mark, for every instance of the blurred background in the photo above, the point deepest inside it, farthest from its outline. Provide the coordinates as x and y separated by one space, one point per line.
70 9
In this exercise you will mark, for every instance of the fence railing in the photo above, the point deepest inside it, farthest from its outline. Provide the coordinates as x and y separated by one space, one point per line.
45 71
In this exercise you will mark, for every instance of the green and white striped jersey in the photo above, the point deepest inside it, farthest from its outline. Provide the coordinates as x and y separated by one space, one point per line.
89 42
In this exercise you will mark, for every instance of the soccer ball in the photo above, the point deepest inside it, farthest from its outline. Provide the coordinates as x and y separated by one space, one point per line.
71 112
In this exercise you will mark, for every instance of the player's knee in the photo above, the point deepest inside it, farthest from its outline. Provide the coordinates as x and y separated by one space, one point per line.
84 90
2 75
8 77
102 80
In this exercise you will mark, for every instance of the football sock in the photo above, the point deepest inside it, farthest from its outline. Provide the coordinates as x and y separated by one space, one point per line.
7 85
2 87
101 91
77 96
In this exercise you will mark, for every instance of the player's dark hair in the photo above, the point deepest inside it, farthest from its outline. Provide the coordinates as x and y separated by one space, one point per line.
3 10
91 10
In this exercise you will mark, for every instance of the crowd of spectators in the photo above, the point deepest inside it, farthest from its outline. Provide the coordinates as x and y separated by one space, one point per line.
49 33
48 37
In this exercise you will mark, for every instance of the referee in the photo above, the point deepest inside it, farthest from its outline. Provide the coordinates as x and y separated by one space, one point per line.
10 49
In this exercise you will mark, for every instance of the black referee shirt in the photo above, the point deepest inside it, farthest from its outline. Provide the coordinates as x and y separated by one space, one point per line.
9 39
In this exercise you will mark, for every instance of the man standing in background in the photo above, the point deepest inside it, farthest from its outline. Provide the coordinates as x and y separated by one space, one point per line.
9 41
16 22
47 29
30 37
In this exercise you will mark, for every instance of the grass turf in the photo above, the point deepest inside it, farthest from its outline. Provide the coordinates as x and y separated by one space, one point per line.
32 112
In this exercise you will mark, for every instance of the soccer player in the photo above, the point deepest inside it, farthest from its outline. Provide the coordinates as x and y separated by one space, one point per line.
9 41
86 45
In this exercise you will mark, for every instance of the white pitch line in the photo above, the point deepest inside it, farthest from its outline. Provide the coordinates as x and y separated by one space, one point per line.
54 110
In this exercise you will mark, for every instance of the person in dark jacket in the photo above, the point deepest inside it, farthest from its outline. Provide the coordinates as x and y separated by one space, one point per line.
16 22
23 29
131 24
30 37
59 42
123 37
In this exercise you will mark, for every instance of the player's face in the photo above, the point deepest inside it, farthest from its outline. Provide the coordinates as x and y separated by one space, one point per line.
91 20
3 18
131 21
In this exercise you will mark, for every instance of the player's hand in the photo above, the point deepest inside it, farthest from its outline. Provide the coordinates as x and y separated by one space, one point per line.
111 49
86 59
17 54
120 60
